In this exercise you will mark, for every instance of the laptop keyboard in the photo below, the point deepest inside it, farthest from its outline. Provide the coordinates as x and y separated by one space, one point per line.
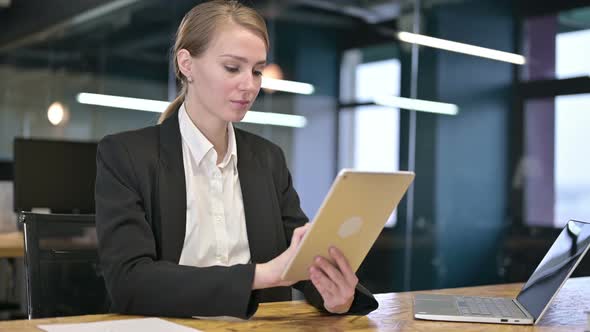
488 306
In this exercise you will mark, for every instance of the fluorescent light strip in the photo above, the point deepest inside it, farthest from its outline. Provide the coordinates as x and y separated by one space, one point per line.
138 104
461 48
287 86
417 105
275 119
149 105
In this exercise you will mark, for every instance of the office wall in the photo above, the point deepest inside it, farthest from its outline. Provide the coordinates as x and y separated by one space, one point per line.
471 149
314 60
461 185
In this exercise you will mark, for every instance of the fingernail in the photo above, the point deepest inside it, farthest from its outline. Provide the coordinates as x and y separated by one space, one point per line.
318 260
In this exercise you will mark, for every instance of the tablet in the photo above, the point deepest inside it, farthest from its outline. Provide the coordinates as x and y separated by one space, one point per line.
351 217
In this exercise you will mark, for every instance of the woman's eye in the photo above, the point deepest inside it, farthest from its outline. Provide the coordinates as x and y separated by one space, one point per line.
231 69
257 73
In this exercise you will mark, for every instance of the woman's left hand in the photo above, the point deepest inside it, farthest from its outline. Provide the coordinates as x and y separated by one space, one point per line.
336 283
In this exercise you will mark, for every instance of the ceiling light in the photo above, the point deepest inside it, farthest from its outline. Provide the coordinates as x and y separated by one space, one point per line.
461 48
57 114
417 105
287 86
138 104
149 105
273 71
275 119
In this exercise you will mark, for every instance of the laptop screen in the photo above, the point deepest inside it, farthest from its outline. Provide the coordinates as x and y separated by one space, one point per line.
557 265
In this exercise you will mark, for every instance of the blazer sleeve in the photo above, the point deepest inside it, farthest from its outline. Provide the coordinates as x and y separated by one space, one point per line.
139 283
364 302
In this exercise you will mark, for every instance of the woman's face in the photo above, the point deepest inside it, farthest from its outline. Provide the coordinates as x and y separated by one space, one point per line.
227 76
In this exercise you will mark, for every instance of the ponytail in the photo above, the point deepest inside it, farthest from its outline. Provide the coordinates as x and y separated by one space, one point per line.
174 105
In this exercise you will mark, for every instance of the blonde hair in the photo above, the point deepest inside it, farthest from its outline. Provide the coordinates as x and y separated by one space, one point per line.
197 29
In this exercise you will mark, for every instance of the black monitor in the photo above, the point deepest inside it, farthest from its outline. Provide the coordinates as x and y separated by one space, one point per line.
54 175
6 170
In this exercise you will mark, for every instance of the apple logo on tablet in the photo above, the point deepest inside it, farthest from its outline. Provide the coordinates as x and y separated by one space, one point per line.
350 227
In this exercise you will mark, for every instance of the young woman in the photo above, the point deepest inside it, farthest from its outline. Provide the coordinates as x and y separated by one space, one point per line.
196 217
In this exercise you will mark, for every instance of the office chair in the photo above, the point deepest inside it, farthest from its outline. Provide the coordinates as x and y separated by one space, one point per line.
61 265
10 308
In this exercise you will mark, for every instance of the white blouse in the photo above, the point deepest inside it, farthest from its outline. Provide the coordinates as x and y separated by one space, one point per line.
215 221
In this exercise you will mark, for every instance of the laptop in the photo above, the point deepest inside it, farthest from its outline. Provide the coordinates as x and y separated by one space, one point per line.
351 218
534 298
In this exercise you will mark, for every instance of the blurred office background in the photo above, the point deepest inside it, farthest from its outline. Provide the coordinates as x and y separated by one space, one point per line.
494 182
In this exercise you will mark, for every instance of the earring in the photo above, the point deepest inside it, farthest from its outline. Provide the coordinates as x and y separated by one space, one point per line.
190 79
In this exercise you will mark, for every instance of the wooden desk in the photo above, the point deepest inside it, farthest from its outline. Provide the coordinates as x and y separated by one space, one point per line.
12 245
394 314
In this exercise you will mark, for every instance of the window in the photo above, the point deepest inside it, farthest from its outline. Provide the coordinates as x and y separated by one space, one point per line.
572 51
557 45
369 135
376 143
556 163
572 161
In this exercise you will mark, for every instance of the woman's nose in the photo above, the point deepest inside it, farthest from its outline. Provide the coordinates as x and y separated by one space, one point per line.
249 82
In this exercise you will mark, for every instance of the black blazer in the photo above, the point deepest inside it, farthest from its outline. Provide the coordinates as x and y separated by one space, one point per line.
141 219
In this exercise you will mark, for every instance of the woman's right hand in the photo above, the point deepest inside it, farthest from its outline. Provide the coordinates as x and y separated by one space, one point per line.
268 274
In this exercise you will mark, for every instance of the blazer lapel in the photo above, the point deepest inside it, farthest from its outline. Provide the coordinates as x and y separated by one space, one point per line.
172 190
257 198
256 188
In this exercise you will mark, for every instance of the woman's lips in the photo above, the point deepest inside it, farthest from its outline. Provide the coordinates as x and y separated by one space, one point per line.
241 103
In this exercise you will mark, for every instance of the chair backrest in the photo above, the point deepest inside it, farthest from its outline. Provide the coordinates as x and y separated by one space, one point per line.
62 268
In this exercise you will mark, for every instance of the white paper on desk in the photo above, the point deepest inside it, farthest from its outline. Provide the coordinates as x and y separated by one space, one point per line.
123 325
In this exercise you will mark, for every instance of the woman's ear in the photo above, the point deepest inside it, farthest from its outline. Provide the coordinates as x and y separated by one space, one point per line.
185 61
